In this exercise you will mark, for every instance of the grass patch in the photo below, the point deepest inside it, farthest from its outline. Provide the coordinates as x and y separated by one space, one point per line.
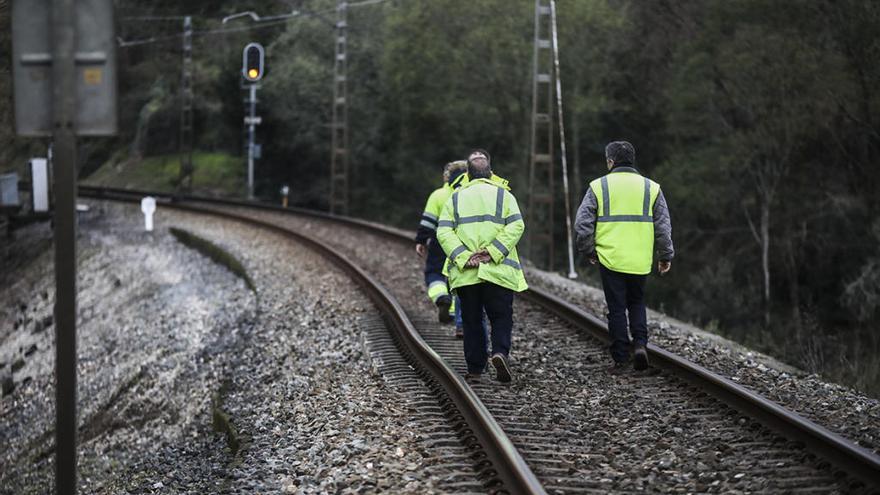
223 423
214 174
215 253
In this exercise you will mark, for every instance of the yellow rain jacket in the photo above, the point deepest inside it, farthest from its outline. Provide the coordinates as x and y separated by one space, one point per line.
482 214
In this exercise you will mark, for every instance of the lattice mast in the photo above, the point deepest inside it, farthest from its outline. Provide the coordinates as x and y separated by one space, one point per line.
339 169
186 109
541 184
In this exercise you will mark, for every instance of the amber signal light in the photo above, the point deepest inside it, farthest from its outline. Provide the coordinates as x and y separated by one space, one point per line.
253 58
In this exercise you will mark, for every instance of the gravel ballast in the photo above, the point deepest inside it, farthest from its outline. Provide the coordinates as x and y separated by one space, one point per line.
838 408
155 323
191 383
841 409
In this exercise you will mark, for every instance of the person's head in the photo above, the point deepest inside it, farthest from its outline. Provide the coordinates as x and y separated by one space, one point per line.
478 164
620 153
453 170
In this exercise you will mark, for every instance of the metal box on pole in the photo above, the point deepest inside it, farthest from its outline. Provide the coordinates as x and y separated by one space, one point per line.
95 60
9 190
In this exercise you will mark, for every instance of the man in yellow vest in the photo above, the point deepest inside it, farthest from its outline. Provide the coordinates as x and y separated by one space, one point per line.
621 222
454 174
479 228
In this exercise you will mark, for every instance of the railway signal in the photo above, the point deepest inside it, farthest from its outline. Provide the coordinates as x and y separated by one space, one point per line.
252 67
252 60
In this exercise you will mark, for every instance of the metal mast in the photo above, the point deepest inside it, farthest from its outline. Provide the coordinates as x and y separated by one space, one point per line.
568 224
541 188
339 127
64 114
186 109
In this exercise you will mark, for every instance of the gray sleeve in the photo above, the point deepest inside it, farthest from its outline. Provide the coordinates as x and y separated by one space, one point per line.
585 223
662 229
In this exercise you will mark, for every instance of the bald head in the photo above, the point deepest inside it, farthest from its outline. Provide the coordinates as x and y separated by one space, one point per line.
478 165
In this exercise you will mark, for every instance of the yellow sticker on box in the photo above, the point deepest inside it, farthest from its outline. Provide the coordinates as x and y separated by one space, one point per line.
92 77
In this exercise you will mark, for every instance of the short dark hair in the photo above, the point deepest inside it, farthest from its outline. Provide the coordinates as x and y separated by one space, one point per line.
622 152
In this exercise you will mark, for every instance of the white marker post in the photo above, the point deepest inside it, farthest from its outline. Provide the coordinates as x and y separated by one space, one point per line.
40 184
148 206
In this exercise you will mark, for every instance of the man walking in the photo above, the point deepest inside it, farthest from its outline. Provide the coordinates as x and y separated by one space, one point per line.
479 228
428 248
620 222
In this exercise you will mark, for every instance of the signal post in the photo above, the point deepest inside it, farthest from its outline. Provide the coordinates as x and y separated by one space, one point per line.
253 58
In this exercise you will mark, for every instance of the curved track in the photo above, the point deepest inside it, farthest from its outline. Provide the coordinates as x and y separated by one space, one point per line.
501 467
742 440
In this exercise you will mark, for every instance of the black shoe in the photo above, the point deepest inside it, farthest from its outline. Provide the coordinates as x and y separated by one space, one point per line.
459 332
640 357
502 369
443 304
618 368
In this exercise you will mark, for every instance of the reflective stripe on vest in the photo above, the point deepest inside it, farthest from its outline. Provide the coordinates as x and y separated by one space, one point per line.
496 218
457 251
437 289
606 215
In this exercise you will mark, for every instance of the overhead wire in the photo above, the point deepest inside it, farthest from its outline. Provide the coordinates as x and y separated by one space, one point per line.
155 18
256 25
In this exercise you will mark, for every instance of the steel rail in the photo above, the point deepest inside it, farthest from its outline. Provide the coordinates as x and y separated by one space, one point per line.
848 457
508 468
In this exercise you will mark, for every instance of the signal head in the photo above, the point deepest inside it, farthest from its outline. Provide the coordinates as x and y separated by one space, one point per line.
253 58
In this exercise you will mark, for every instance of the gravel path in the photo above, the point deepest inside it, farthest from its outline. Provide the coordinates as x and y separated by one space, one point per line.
171 343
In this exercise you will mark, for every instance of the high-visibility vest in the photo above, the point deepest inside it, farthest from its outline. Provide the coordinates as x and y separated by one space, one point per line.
625 220
482 214
434 205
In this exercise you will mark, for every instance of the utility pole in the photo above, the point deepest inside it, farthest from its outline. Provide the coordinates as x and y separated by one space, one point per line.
186 109
568 224
541 188
64 145
339 127
64 61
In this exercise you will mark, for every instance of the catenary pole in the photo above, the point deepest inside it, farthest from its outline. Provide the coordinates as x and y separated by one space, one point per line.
568 224
540 239
186 109
339 158
253 114
64 170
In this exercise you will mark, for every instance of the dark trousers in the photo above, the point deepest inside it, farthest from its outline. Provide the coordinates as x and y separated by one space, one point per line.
497 302
434 262
625 293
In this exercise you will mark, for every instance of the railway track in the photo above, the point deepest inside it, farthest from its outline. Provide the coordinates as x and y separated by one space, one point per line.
497 465
580 430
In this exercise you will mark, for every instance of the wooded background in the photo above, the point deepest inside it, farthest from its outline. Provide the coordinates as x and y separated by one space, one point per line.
759 118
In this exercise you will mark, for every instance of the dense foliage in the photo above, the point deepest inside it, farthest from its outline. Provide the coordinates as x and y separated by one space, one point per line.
760 119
